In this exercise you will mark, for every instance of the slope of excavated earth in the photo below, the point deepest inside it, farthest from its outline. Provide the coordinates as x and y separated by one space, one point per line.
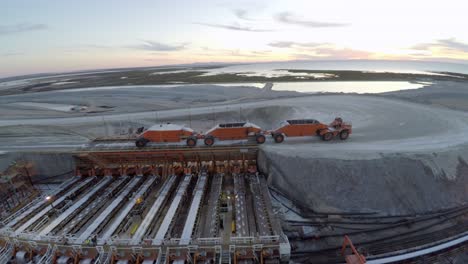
401 158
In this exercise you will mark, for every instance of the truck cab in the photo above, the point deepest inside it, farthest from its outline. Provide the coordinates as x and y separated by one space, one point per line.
311 127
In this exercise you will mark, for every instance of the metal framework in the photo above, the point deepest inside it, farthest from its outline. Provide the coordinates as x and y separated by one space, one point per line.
91 159
143 228
73 208
194 209
109 209
163 229
54 203
124 212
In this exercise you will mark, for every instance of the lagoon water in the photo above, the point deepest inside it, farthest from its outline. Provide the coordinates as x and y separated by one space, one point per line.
346 87
354 65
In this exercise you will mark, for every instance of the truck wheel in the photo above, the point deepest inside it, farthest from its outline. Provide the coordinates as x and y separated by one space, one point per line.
344 134
327 136
279 138
191 142
260 139
141 142
209 141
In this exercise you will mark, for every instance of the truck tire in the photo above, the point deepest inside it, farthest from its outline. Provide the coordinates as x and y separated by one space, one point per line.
327 136
260 138
141 142
278 138
191 141
209 141
344 134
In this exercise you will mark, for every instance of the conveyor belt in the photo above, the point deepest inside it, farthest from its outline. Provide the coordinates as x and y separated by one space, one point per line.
194 208
242 226
126 210
108 210
275 225
80 217
163 229
48 208
210 229
41 201
75 206
143 228
262 221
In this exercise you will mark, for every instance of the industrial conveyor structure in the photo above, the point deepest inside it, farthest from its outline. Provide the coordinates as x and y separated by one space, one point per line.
123 213
143 229
194 209
168 219
153 205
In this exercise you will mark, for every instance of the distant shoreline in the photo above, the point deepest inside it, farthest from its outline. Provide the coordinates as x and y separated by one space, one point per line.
187 76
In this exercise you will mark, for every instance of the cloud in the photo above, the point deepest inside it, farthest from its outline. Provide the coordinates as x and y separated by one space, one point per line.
208 52
342 53
11 54
158 46
314 50
235 27
454 44
242 14
333 54
292 44
448 44
289 18
19 28
86 48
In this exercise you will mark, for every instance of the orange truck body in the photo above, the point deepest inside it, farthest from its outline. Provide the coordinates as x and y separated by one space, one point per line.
166 136
234 131
300 128
165 133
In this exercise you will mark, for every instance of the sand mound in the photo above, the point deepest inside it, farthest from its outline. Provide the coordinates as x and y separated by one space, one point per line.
391 184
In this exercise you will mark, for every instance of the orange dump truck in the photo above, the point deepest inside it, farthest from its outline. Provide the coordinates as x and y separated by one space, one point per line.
167 133
234 131
312 127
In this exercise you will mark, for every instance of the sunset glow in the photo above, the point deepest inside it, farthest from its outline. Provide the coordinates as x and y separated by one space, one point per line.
56 36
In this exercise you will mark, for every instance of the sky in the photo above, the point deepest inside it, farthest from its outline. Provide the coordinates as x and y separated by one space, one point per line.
38 36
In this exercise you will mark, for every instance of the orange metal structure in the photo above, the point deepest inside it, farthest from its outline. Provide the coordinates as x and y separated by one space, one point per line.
355 257
234 131
167 133
311 127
